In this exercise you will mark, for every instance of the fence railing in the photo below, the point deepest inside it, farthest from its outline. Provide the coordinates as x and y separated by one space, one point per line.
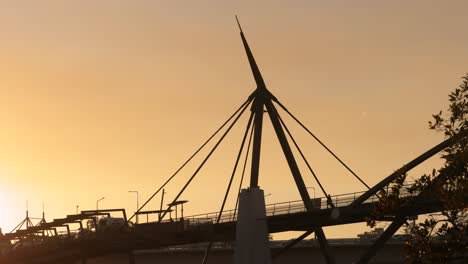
290 207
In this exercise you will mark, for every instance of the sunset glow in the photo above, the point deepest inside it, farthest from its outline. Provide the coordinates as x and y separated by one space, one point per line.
101 97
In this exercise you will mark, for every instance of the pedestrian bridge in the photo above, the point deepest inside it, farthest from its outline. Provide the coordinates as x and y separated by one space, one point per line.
285 216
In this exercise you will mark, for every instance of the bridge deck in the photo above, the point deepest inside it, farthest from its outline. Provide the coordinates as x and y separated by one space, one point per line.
281 217
285 208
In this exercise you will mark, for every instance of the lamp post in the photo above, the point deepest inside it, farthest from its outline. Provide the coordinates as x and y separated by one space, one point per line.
314 202
77 207
312 189
137 204
97 203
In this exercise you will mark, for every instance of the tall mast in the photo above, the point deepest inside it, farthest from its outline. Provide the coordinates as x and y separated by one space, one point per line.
263 98
253 65
257 109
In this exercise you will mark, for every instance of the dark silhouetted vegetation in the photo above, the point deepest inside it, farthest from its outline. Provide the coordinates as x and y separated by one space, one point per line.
441 237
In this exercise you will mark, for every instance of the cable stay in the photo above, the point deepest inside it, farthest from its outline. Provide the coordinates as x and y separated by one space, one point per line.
210 243
329 201
243 171
407 167
320 142
249 99
206 159
26 221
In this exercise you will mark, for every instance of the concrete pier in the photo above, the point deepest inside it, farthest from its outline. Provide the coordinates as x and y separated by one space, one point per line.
251 245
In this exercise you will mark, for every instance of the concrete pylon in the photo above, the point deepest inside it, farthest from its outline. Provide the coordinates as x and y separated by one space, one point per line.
252 246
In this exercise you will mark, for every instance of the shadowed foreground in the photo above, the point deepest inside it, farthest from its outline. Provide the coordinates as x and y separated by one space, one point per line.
345 251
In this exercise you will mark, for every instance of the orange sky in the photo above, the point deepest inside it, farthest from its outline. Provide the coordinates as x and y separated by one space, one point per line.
101 97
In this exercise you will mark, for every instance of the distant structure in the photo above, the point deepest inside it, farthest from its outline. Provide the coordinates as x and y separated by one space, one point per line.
26 222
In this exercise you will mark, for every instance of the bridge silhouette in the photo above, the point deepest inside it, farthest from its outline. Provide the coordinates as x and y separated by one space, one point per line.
285 216
42 243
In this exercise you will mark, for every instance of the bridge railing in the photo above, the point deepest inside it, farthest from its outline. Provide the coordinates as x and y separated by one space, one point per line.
290 207
284 208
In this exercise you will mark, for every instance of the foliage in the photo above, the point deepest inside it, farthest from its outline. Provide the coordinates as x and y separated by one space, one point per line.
443 237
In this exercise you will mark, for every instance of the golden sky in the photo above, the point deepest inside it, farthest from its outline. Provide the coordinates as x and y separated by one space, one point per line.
105 96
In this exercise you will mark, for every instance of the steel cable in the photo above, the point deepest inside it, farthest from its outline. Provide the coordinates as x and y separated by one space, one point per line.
243 169
320 142
191 157
207 157
205 258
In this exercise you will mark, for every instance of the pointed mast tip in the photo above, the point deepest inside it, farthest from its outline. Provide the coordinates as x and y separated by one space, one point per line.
238 23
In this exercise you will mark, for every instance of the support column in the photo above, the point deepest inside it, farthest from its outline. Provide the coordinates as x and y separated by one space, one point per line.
252 244
257 109
272 112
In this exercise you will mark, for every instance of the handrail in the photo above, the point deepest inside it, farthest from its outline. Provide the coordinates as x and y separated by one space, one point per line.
284 208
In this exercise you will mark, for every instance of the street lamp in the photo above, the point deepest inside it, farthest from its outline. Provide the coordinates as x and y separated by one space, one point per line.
312 189
137 205
77 209
315 203
97 203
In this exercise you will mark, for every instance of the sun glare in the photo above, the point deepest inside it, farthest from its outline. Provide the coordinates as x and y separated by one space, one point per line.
7 210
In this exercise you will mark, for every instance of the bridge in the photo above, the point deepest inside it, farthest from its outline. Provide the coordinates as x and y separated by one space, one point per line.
98 232
287 216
